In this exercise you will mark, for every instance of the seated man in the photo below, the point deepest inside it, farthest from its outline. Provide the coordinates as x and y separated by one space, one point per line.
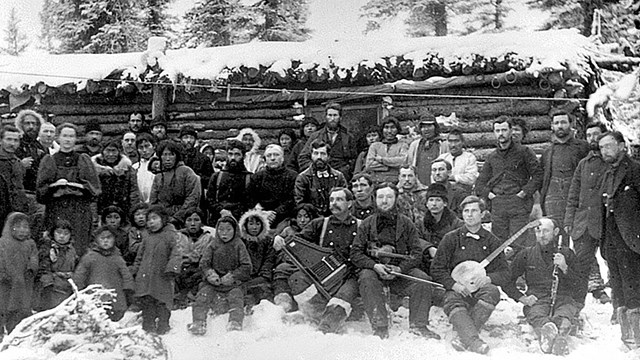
537 264
441 172
362 187
469 307
390 229
337 232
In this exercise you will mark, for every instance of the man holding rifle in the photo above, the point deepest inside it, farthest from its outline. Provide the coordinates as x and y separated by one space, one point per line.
392 231
552 278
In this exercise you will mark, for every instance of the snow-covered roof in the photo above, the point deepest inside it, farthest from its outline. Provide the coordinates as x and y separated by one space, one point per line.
374 61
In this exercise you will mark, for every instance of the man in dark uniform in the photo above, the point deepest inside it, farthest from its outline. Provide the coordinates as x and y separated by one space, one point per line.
621 230
362 187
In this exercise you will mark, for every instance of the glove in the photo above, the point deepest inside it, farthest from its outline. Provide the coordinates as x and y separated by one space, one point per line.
212 277
227 279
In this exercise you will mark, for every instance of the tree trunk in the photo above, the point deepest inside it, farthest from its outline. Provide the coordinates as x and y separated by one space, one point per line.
438 12
498 14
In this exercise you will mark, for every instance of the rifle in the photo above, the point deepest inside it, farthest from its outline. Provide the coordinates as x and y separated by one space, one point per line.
556 280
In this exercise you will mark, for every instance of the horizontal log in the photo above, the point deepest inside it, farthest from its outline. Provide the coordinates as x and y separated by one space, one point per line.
88 108
472 110
489 139
235 114
481 153
477 126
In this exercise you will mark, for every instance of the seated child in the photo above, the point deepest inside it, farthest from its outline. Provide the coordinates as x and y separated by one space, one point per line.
138 220
103 264
225 265
58 259
254 231
114 218
193 239
157 264
18 266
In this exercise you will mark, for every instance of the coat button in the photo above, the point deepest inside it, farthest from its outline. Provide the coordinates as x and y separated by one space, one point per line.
330 231
355 233
331 243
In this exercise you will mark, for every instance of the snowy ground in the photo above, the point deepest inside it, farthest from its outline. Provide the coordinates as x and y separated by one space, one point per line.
266 336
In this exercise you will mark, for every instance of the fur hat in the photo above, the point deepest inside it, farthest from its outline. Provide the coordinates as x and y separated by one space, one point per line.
261 215
438 190
92 126
187 130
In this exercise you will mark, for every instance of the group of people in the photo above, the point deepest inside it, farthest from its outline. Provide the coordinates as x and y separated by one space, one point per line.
403 218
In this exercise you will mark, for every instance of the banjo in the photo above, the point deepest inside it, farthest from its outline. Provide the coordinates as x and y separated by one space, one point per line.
469 272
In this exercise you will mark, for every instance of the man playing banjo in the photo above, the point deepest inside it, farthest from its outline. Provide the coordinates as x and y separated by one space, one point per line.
470 300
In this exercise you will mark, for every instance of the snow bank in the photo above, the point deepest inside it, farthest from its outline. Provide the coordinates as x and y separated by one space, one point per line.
549 49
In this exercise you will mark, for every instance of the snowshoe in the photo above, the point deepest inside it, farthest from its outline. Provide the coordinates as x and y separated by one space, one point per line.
424 332
548 334
197 328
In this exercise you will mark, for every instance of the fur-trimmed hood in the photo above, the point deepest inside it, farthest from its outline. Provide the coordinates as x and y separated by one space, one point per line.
260 214
24 113
256 139
11 220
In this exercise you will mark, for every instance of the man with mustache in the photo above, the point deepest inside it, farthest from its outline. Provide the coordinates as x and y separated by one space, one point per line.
560 161
93 138
336 231
620 232
30 151
510 176
228 188
342 146
313 184
583 219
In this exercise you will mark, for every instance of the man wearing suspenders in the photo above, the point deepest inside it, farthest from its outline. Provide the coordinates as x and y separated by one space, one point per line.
336 231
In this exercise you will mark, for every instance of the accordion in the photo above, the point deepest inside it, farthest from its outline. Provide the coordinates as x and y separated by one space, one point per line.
326 269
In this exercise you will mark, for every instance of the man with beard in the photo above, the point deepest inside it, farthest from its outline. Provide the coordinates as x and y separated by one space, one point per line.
30 151
136 123
228 188
47 138
412 201
158 128
342 146
583 218
469 309
426 149
118 180
362 187
464 164
272 187
313 184
337 232
385 157
510 176
560 161
129 147
193 158
441 174
92 139
146 145
386 228
11 169
619 241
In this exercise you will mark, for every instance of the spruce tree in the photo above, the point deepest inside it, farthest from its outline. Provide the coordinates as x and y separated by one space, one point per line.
15 39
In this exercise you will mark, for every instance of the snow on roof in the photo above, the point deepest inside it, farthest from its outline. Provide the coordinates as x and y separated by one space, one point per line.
541 51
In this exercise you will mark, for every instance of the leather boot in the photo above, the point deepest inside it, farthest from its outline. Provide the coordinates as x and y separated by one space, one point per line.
468 338
332 319
626 331
633 315
480 313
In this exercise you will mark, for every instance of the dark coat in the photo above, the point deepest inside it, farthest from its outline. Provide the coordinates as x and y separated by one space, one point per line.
273 190
31 148
514 169
200 164
118 189
536 264
435 231
18 267
342 155
13 172
625 203
309 188
158 262
339 235
232 194
405 243
573 151
53 275
177 189
107 268
456 247
584 213
260 247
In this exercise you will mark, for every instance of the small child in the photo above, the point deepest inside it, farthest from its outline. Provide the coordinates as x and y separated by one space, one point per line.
225 264
157 264
194 238
254 230
114 218
18 266
58 259
103 264
138 221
